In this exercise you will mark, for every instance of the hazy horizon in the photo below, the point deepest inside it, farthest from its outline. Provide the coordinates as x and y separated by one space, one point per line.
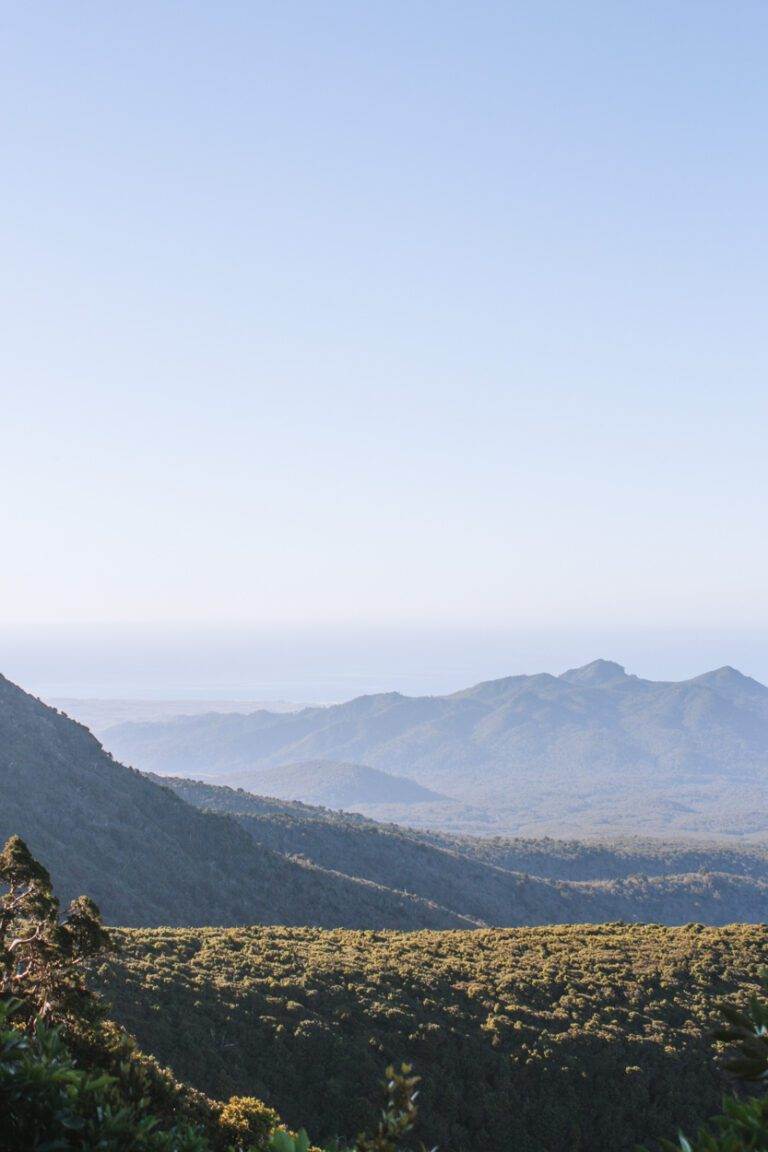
328 665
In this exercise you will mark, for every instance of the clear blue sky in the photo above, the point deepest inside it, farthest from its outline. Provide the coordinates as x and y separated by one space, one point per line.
385 312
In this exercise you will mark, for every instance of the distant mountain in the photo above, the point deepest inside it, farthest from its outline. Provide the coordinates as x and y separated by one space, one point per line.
147 857
509 882
202 855
333 785
99 715
593 751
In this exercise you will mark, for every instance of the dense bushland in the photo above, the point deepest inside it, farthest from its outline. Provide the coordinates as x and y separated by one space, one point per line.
567 1039
563 1037
71 1080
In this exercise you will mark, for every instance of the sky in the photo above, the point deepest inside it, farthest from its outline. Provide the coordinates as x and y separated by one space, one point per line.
385 316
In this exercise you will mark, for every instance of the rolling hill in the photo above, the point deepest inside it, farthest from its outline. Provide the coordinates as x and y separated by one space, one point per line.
333 785
591 752
508 882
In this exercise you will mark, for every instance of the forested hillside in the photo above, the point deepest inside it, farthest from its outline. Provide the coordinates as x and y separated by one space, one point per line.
587 1039
593 751
591 1039
146 856
149 857
610 859
72 1080
509 882
338 785
605 859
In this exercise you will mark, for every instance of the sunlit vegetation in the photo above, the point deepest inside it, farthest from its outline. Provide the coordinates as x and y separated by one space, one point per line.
560 1038
72 1081
563 1037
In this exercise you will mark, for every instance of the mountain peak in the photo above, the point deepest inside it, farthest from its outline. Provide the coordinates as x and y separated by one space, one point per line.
727 672
598 672
727 677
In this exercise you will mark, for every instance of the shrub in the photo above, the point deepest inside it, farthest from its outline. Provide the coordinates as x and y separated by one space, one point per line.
743 1124
248 1122
47 1102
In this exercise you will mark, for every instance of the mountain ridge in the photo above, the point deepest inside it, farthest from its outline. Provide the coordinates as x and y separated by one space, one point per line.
594 751
498 882
150 857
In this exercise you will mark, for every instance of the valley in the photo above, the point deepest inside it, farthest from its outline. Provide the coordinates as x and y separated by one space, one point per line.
158 850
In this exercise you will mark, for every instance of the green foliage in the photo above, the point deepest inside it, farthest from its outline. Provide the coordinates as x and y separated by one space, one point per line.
398 1117
248 1122
397 1120
47 1103
748 1030
743 1124
48 1098
583 1037
70 1080
44 957
285 1141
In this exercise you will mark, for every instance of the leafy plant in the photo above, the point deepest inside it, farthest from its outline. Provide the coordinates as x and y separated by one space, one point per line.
397 1120
47 1103
743 1124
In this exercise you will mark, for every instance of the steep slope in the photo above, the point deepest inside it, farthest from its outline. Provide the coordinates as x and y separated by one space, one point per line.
476 878
593 750
149 857
146 856
608 859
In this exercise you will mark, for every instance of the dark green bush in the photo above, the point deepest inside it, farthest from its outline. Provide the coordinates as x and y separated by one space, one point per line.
743 1123
47 1102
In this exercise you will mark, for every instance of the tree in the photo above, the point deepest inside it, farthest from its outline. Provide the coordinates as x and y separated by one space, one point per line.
44 956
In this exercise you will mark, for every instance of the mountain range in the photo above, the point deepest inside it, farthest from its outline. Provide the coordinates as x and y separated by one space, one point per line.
174 852
98 715
594 751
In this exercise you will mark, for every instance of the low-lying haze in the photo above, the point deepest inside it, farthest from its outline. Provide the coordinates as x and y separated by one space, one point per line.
326 665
